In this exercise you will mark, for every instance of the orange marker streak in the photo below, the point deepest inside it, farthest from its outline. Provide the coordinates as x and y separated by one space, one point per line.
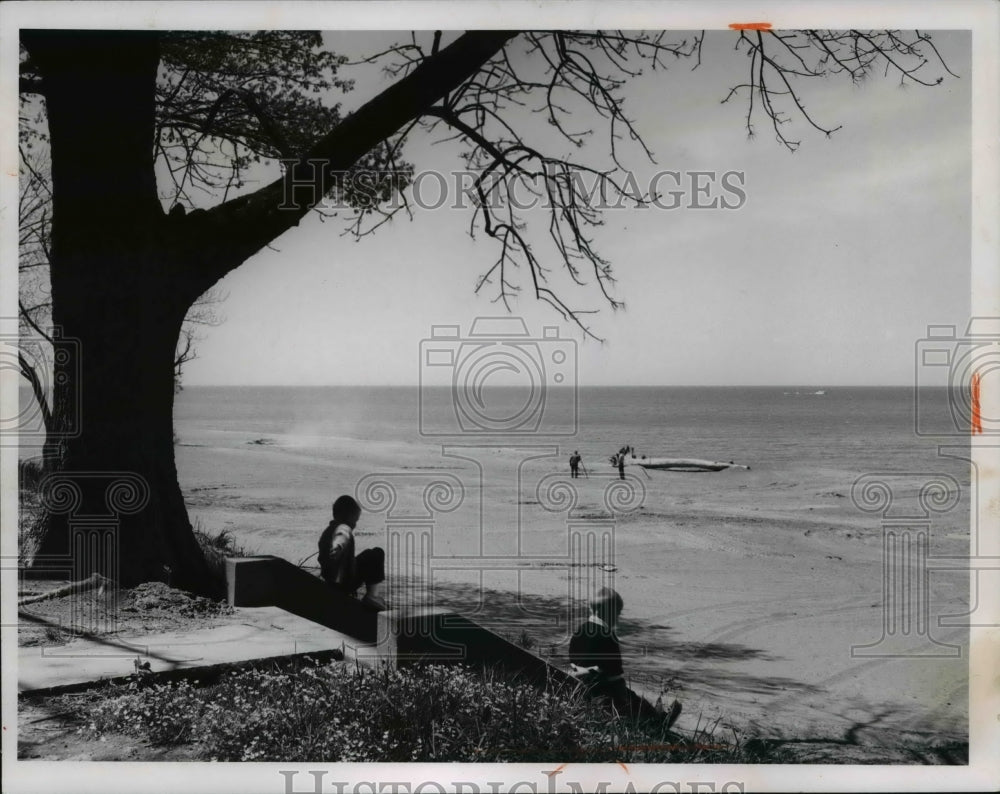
750 25
977 423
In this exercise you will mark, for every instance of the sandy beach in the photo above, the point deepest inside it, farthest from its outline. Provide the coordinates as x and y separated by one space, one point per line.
744 590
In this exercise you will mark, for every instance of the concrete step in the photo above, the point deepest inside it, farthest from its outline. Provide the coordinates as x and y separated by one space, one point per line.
267 580
263 634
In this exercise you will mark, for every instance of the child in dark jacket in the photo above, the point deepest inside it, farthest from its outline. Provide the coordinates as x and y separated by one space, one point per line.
340 567
596 660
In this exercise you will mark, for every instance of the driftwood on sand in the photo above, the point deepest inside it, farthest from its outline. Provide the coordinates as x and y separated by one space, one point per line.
93 581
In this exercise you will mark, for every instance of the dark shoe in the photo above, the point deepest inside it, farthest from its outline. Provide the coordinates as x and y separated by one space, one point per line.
374 603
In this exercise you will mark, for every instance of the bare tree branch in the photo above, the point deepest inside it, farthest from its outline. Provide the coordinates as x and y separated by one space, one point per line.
478 90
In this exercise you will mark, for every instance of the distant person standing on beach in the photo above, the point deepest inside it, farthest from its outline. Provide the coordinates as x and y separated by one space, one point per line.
340 567
574 464
621 460
596 660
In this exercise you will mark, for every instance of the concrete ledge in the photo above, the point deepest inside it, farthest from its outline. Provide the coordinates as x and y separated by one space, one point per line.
204 675
431 635
265 637
251 581
439 636
273 581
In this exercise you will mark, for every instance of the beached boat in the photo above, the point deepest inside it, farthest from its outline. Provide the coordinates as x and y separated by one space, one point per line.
680 464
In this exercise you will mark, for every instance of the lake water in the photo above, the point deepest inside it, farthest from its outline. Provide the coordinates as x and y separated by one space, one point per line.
851 428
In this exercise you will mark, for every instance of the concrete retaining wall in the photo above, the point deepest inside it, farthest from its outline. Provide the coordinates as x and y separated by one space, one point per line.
272 581
401 637
434 635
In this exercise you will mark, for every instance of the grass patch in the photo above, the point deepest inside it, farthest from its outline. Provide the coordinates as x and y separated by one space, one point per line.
216 547
342 713
221 542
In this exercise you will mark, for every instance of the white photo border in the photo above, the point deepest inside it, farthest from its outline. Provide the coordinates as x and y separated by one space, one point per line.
983 18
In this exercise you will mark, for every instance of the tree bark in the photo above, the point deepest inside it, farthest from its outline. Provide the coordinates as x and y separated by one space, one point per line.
114 506
117 407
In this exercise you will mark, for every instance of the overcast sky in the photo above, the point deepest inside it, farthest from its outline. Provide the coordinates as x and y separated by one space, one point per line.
829 273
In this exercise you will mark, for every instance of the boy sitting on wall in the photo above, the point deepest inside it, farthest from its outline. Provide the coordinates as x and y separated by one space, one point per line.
340 567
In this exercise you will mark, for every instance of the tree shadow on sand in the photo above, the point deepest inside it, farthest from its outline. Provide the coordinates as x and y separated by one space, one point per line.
656 660
878 735
653 658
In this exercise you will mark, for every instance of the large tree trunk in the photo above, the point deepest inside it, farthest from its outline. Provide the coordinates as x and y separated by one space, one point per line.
114 505
116 403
